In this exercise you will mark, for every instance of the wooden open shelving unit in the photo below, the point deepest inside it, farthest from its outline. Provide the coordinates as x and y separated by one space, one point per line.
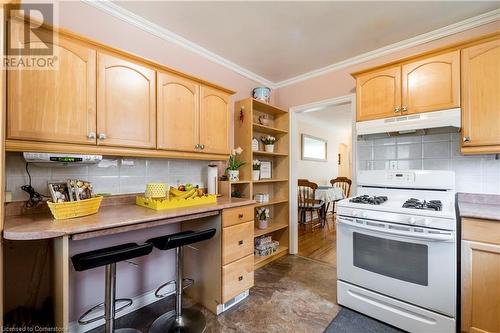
246 127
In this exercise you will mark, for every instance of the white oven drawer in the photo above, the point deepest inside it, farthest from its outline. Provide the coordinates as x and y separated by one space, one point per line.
393 262
400 314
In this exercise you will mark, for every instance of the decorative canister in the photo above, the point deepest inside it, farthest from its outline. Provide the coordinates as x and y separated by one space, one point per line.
262 94
269 148
255 174
233 175
263 224
156 190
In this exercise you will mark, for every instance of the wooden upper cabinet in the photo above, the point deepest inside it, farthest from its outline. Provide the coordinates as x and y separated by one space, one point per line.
126 103
378 93
54 105
480 97
178 113
432 83
214 121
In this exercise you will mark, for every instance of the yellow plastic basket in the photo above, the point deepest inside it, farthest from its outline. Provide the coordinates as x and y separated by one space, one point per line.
68 210
161 204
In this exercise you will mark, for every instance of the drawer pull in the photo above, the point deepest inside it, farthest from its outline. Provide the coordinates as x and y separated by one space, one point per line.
240 215
240 242
240 278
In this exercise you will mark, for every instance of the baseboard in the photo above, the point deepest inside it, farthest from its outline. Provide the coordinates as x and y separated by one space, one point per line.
139 301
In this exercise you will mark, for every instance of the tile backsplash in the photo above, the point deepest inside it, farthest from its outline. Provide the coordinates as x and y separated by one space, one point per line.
433 151
118 175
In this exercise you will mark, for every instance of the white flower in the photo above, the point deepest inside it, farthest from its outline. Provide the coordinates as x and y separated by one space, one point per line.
233 152
238 150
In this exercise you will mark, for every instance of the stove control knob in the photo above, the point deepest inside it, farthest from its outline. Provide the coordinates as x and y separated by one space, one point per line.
354 213
426 222
412 220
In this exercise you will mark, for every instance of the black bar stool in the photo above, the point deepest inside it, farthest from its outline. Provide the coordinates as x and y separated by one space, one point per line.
183 320
109 257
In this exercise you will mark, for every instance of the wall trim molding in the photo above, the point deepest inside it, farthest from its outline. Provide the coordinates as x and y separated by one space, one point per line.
156 30
449 30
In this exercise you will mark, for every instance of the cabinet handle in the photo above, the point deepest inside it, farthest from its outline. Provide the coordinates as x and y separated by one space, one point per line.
202 146
240 242
91 135
240 278
466 139
102 136
197 146
397 110
404 109
240 215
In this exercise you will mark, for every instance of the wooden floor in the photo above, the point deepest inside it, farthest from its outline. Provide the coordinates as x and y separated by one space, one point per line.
320 243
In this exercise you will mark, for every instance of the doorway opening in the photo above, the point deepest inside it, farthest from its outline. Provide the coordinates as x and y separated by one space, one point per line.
322 147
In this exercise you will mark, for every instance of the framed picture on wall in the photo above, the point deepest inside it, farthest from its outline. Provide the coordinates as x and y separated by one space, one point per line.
313 148
266 168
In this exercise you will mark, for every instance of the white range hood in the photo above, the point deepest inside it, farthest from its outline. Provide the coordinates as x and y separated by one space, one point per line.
410 123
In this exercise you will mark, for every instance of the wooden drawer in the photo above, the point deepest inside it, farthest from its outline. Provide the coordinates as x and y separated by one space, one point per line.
237 277
237 215
481 230
237 242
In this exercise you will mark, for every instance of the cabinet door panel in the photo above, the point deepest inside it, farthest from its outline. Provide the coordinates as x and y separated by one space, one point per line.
480 287
480 94
214 121
54 105
432 84
378 93
178 113
126 103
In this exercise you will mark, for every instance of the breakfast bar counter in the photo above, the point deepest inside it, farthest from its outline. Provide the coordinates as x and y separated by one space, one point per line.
113 217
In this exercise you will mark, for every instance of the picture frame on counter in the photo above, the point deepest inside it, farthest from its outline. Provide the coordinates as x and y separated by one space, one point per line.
266 168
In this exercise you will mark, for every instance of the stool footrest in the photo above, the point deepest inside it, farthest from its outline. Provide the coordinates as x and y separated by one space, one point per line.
83 321
186 283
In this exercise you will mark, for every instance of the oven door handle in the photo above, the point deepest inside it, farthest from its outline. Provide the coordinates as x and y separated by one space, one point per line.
424 236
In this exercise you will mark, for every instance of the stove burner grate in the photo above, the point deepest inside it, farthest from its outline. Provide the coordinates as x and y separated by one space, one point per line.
413 203
369 200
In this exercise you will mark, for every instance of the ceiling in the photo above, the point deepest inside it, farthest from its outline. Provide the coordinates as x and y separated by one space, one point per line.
329 116
279 40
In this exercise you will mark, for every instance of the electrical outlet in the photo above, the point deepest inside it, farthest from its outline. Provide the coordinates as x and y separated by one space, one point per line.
393 165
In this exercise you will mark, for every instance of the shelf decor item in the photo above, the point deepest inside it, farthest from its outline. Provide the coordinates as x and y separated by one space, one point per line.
262 94
233 174
265 246
255 144
266 169
156 190
256 170
264 120
263 217
268 142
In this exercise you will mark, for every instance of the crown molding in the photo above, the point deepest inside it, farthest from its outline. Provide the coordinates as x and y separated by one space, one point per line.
451 29
154 29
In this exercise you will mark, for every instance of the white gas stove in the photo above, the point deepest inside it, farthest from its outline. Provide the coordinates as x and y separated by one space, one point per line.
396 246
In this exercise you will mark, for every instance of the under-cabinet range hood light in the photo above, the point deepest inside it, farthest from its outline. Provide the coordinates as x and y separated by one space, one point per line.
56 159
410 123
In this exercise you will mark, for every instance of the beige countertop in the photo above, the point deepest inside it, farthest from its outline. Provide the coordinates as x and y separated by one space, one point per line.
480 206
112 218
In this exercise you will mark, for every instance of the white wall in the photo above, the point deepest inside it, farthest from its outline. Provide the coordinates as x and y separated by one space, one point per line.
332 124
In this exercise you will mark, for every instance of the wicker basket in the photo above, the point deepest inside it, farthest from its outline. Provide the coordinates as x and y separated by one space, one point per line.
68 210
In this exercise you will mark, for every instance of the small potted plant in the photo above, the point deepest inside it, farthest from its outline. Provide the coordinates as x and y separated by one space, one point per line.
268 142
256 170
263 217
233 174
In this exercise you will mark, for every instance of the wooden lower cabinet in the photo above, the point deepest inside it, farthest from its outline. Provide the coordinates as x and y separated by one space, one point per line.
237 277
480 276
237 241
237 251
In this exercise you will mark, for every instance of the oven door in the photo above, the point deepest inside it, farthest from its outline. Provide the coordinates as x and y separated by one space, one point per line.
413 264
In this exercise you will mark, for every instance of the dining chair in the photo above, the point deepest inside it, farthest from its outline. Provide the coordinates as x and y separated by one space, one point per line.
345 184
308 203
